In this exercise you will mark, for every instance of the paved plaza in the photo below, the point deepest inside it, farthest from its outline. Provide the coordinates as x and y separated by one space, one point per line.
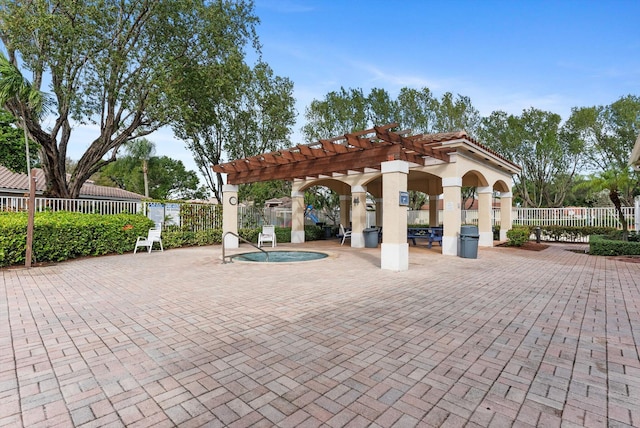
178 339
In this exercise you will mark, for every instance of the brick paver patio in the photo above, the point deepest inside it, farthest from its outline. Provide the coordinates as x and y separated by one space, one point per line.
513 338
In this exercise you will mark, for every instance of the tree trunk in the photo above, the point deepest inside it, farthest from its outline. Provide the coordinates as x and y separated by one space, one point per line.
145 171
615 198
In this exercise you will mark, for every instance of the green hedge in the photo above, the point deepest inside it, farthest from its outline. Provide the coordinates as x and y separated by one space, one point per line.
61 236
601 245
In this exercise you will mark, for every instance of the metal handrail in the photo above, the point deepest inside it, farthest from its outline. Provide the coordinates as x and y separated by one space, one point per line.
224 258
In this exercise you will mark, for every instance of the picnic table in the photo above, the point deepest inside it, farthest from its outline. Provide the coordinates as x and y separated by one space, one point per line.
431 234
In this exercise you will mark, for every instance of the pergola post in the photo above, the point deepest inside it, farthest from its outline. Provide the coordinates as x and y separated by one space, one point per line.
395 249
379 212
484 216
433 210
345 210
358 215
297 217
452 193
230 215
506 200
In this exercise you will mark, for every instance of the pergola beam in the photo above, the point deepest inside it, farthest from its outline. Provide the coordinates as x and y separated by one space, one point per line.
354 161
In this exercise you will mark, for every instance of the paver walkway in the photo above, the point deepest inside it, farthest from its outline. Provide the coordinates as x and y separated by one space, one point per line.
513 338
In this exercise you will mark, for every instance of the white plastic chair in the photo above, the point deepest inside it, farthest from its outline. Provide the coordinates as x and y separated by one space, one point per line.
268 234
344 233
152 236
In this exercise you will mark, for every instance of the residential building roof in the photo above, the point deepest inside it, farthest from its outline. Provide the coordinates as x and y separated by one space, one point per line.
18 183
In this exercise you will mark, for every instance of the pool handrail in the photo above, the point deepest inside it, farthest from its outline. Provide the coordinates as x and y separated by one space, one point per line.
224 258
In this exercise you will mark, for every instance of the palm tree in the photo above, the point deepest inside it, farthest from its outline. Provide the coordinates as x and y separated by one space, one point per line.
19 97
142 149
616 182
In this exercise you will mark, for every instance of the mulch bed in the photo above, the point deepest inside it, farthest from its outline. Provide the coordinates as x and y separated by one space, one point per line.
529 245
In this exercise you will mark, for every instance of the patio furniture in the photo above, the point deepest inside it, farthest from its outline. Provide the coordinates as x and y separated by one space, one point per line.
268 234
344 234
154 235
431 234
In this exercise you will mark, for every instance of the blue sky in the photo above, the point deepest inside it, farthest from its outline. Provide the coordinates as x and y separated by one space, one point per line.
504 55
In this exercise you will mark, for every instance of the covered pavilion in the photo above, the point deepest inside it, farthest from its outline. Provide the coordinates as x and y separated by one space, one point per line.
386 164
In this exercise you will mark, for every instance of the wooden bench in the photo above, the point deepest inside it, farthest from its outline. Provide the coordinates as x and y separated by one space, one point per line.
432 234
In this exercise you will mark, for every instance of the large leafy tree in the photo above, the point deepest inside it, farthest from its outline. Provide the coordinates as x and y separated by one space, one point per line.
340 112
548 156
607 132
249 112
112 64
166 178
349 110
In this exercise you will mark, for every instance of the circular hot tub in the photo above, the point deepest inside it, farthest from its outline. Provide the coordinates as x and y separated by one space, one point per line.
279 256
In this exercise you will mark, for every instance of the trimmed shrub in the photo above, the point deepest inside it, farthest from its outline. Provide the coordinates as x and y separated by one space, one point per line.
517 236
601 245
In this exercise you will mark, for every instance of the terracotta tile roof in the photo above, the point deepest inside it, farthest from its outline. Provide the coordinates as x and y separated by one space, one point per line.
461 135
14 182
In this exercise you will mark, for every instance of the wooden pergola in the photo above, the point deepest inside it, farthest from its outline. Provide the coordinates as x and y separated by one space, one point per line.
356 151
383 162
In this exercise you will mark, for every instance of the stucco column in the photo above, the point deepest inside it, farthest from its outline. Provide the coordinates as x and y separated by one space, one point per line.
358 215
433 210
506 200
230 215
297 217
484 216
379 211
451 219
395 249
345 210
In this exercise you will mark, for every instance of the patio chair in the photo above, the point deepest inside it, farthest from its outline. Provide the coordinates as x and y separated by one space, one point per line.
344 233
152 236
268 234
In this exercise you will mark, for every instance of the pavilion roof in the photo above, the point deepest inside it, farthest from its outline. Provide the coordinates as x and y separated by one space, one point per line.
356 151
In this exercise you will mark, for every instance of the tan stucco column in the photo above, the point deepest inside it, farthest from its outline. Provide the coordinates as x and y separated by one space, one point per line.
358 215
433 210
345 210
379 211
395 249
506 201
297 217
451 217
484 216
230 215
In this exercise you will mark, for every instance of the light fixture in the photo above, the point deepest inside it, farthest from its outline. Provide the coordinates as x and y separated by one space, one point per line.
356 200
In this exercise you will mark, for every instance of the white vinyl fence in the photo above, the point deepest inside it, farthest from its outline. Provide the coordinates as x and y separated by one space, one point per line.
169 213
85 206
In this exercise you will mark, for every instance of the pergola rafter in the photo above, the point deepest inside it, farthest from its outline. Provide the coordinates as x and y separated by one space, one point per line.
355 151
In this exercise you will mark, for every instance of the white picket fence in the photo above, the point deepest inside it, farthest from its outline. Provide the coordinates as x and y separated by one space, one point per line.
253 217
85 206
574 216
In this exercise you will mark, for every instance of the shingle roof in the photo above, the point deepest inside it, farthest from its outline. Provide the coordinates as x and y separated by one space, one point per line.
15 182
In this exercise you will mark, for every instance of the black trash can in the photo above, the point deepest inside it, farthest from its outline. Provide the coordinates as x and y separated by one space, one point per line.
370 237
468 242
